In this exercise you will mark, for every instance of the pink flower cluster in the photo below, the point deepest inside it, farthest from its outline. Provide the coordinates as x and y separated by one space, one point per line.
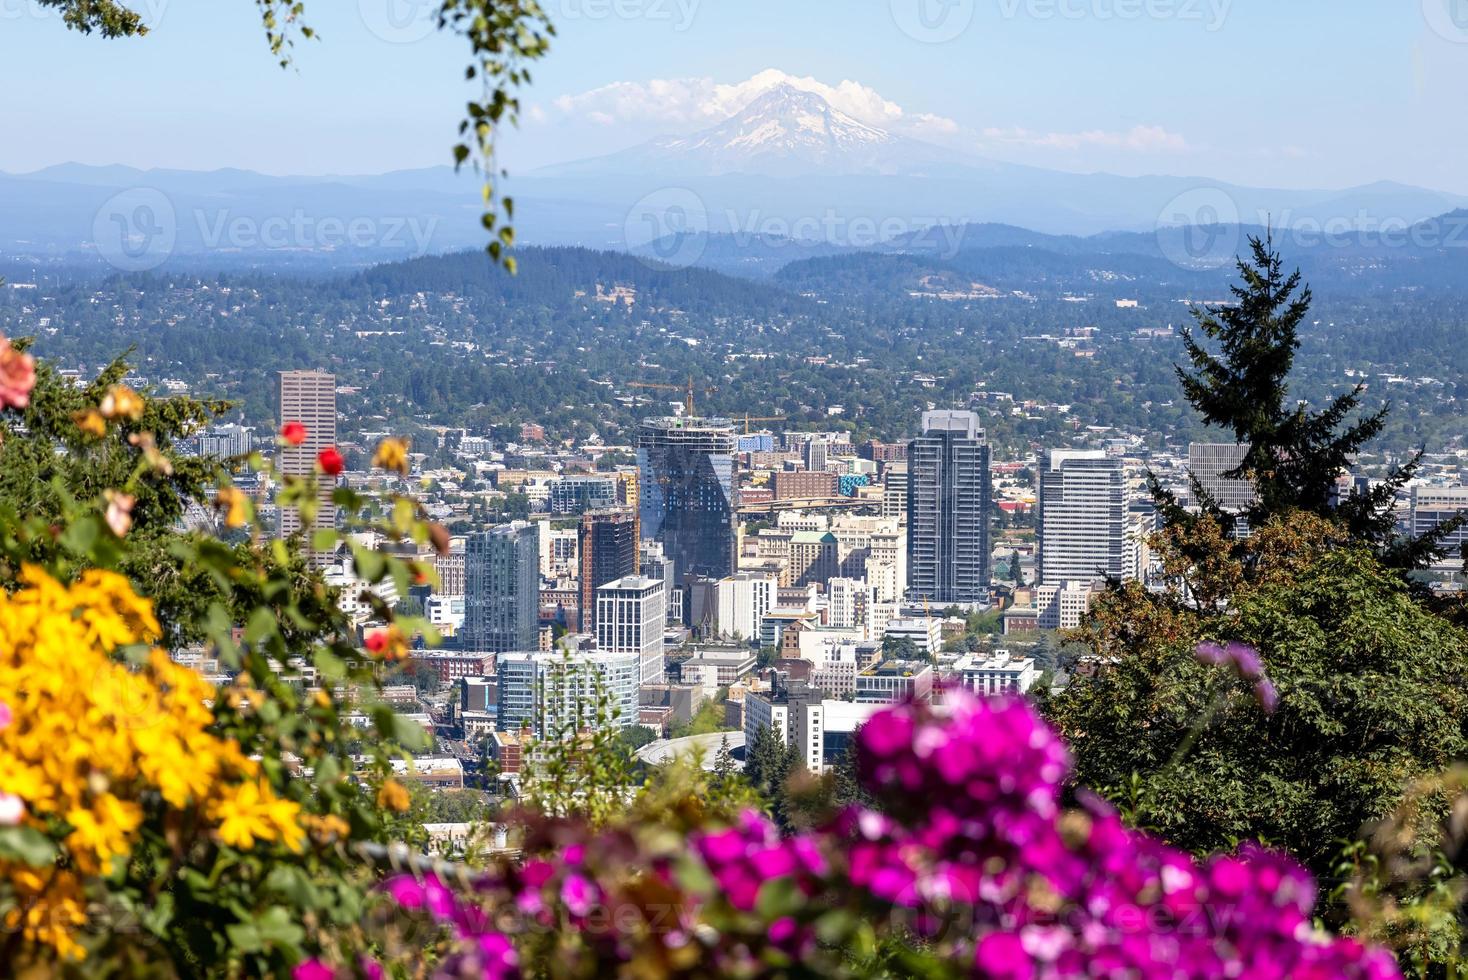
975 831
972 853
1245 662
743 858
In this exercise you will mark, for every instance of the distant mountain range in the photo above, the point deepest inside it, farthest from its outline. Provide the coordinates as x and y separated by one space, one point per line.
788 173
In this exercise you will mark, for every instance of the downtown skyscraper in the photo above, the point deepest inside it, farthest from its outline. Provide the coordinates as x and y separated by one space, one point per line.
687 493
949 491
502 589
1082 518
308 397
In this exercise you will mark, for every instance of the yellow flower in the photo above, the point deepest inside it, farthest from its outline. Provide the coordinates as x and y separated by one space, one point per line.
232 501
91 737
102 832
122 402
250 812
392 454
91 422
392 795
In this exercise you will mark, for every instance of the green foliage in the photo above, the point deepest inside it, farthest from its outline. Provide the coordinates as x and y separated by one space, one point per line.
709 718
1371 698
203 908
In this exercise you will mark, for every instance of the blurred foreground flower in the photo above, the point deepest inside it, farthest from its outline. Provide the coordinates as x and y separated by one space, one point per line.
331 461
293 433
17 376
119 514
973 866
95 745
392 454
121 402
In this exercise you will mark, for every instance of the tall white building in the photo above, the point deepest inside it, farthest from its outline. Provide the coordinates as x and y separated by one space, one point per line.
1082 518
1061 607
894 492
849 604
631 613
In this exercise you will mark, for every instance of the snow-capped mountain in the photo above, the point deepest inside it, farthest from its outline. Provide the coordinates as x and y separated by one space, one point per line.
784 132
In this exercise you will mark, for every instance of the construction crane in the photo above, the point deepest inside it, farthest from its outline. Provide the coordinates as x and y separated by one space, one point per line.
762 418
688 391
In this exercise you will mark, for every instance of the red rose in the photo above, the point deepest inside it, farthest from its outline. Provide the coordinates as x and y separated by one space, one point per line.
330 461
294 433
376 641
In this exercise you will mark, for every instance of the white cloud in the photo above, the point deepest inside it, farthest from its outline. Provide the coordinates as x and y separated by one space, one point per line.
1140 139
685 104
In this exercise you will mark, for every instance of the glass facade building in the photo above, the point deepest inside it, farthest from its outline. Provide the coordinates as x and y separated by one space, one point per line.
502 589
949 493
687 477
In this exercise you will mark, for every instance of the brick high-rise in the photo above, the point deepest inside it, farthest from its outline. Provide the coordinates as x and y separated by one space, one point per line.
608 550
308 397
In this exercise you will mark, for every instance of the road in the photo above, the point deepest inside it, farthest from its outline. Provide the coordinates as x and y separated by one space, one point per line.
665 750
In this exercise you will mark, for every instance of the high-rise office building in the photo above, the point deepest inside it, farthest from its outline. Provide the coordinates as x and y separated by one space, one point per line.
225 441
1209 461
308 397
630 615
948 503
686 487
654 564
578 494
1082 518
607 551
502 589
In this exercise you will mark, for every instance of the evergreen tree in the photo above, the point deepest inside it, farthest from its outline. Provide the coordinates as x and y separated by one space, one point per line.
1016 572
723 763
1294 455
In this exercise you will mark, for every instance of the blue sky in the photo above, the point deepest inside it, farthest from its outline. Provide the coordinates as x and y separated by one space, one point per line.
1294 93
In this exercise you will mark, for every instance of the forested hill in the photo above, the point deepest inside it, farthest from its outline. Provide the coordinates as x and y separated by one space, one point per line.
864 342
553 277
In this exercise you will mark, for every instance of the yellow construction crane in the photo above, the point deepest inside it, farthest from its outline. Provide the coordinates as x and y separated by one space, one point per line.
762 418
688 391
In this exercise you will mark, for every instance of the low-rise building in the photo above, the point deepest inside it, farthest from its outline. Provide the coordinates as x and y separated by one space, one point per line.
998 673
894 680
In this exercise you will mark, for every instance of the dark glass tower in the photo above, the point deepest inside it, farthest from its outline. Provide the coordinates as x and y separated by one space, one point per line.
948 504
687 493
502 589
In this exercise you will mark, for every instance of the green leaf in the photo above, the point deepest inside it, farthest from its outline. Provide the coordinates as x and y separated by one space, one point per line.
261 624
27 845
273 929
